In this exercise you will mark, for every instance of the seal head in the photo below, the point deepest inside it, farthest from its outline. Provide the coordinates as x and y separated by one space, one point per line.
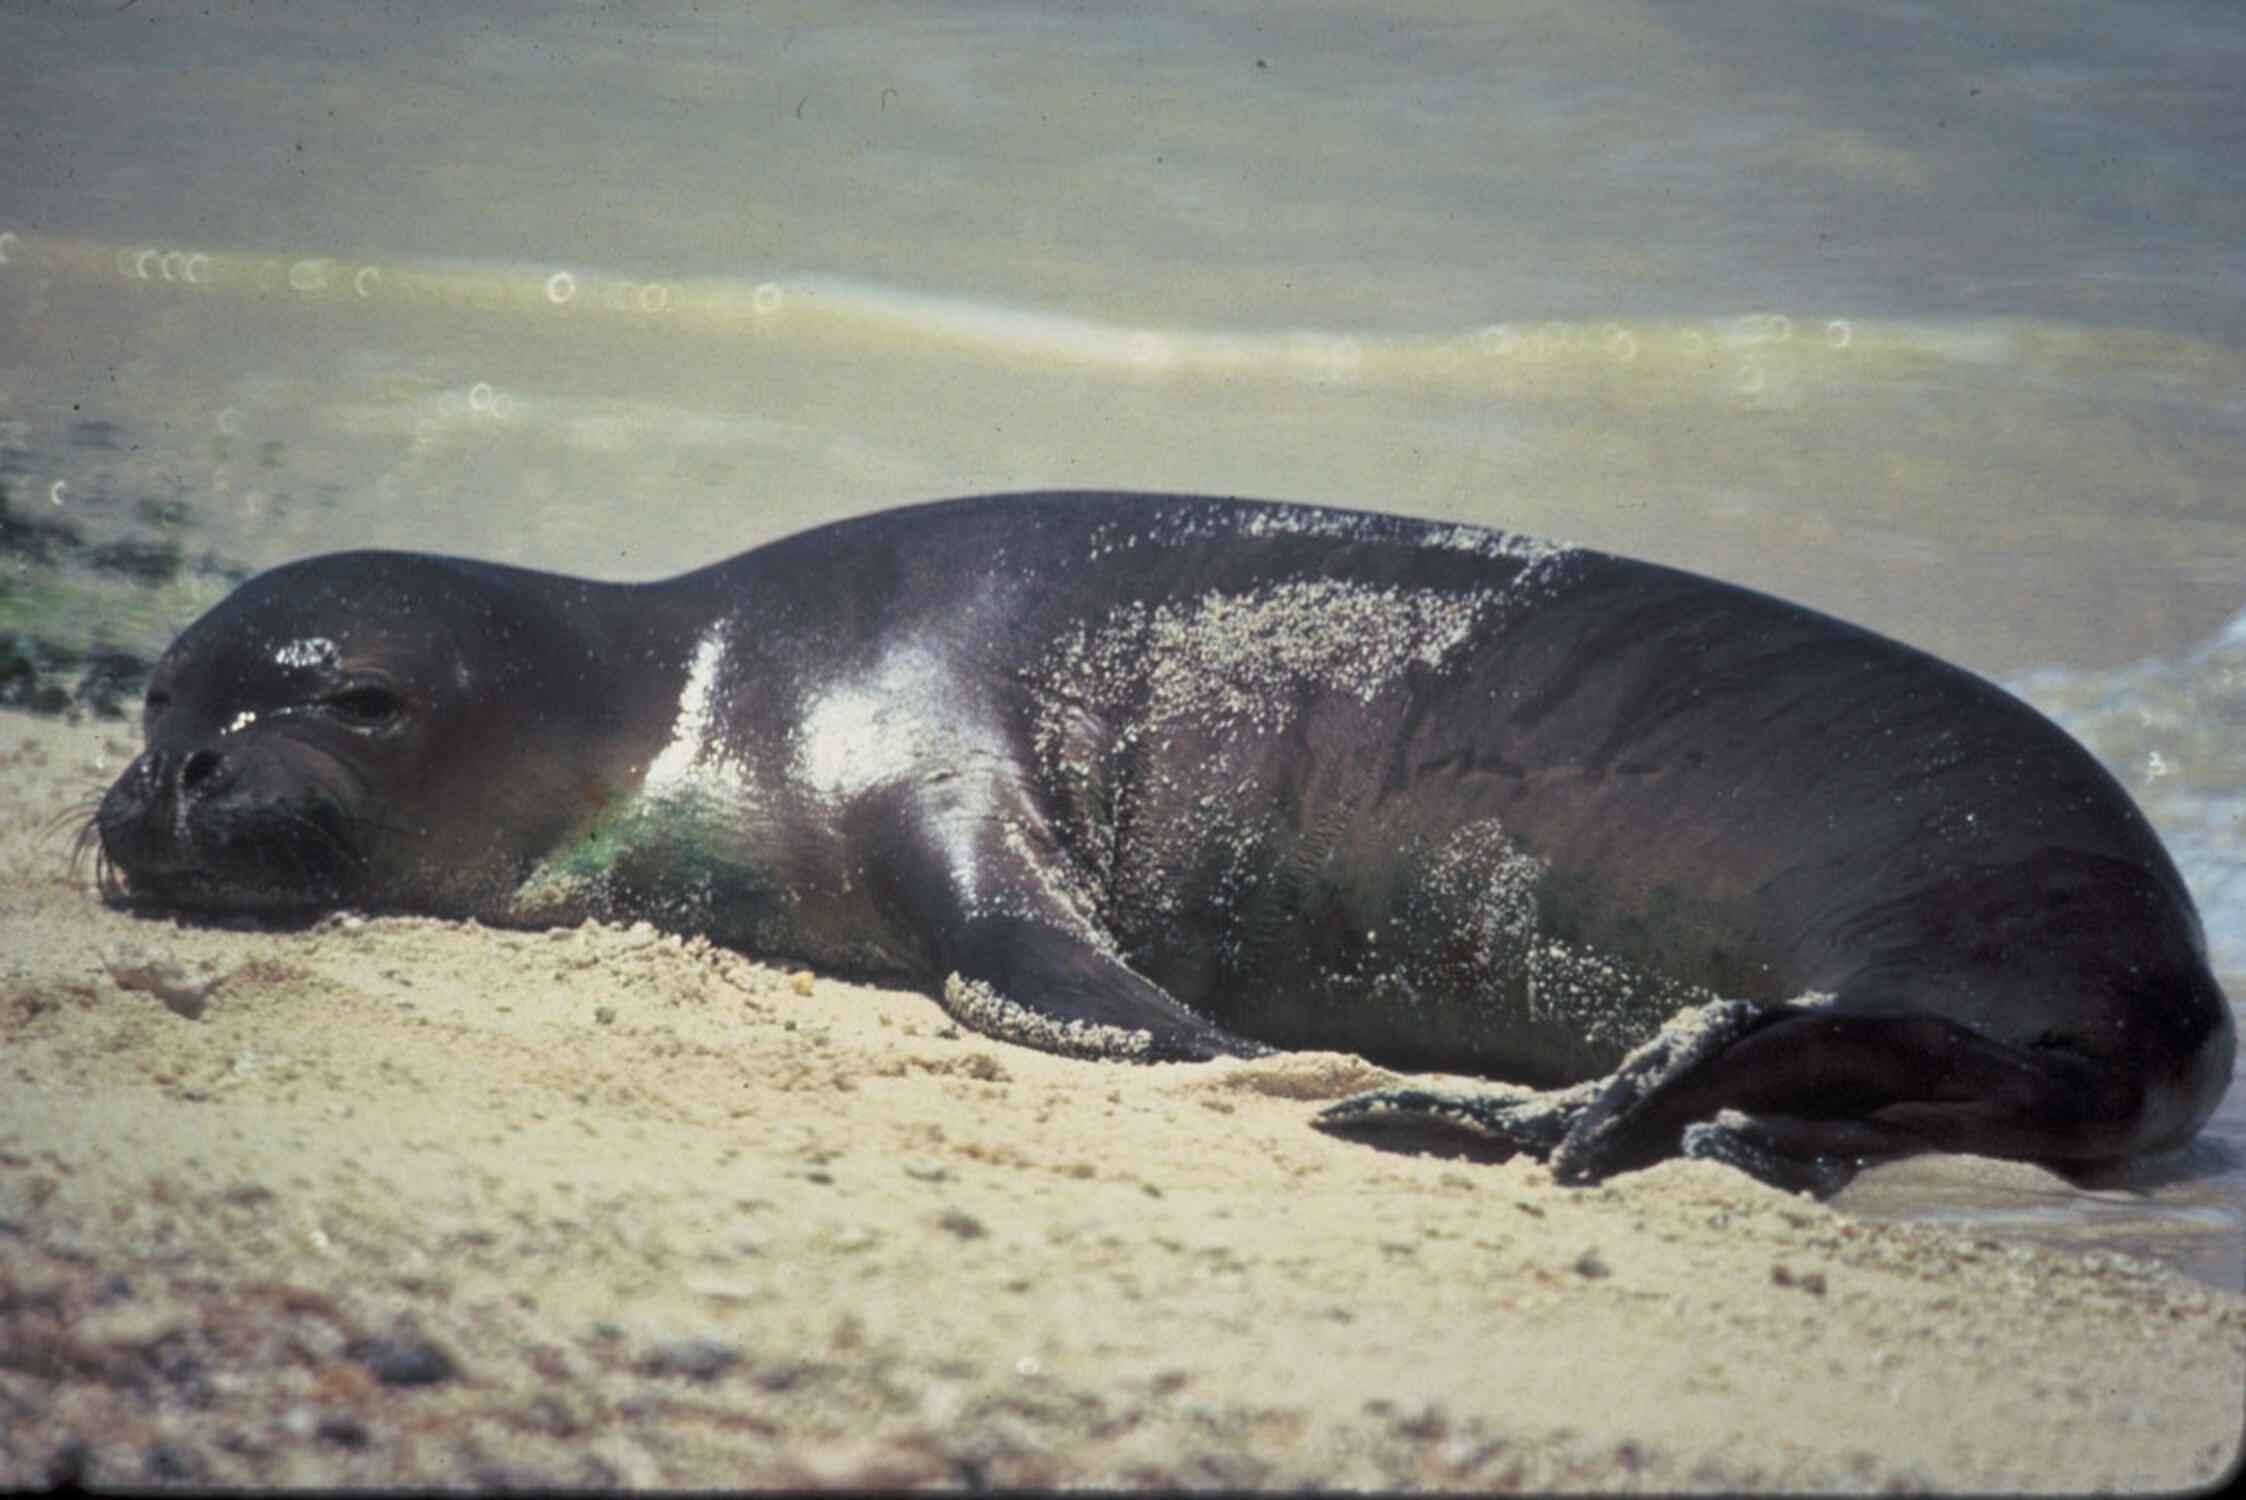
372 730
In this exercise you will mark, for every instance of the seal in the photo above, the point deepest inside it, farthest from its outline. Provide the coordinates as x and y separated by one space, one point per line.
1684 867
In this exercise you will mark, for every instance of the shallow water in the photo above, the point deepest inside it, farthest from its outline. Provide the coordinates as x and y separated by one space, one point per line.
1933 319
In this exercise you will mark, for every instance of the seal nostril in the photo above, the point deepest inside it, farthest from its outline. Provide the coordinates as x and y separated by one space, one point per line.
197 769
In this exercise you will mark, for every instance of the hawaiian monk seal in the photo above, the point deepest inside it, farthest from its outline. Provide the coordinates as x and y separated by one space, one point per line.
1165 777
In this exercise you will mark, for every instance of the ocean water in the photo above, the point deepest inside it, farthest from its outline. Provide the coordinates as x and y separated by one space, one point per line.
1931 317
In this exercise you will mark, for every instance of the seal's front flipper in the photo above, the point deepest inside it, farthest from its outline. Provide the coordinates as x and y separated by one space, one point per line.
1013 935
1025 981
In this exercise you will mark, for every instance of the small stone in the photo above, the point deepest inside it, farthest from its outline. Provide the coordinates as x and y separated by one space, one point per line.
185 991
984 1068
342 1430
404 1361
555 1417
169 1461
129 1325
1591 1267
781 1377
1812 1282
696 1358
71 1463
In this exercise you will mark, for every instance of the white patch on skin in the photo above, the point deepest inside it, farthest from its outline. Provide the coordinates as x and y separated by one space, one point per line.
690 745
902 722
312 651
876 729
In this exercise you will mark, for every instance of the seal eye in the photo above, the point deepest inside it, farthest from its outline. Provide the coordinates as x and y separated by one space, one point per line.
367 706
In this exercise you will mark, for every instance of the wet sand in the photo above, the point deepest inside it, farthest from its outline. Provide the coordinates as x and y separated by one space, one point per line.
400 1201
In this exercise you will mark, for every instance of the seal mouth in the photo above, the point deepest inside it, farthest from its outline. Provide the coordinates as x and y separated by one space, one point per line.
257 829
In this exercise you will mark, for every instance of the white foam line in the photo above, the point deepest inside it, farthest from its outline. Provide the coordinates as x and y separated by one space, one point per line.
1529 353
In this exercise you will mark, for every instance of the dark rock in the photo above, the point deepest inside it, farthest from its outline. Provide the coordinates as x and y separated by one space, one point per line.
698 1358
404 1361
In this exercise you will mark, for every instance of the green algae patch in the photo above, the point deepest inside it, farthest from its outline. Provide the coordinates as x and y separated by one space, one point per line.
681 860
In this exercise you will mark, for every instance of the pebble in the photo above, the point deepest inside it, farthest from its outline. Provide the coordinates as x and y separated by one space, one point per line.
1813 1282
185 992
343 1431
404 1361
696 1358
963 1224
170 1462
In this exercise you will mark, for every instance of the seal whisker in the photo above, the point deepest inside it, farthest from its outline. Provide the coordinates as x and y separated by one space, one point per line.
107 878
85 838
80 816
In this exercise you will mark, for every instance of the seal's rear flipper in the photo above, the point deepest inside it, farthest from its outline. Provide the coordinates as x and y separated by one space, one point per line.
1799 1096
1623 1125
1576 1126
1827 1090
1519 1119
1737 1140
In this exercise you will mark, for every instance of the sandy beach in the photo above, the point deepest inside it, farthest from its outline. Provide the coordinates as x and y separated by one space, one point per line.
405 1202
1930 317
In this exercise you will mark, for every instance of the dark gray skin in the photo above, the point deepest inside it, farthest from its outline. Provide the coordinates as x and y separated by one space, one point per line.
1168 777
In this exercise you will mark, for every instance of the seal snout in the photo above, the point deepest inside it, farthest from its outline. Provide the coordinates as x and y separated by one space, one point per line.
222 826
200 771
144 820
